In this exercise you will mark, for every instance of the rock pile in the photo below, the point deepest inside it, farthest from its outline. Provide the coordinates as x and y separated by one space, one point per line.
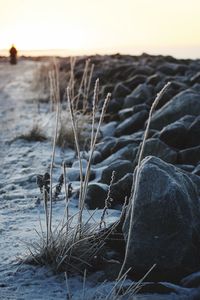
166 225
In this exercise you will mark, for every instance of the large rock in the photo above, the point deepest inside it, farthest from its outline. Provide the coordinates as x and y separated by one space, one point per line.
140 94
166 224
195 78
132 124
185 103
172 68
174 88
177 134
122 189
96 195
154 79
156 147
73 173
121 90
193 138
110 145
106 146
197 170
189 156
143 70
120 167
126 153
128 112
134 81
113 107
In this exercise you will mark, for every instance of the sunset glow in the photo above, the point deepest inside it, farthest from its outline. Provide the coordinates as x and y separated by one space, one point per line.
88 26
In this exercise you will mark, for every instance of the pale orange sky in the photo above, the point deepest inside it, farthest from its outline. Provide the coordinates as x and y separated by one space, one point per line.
104 26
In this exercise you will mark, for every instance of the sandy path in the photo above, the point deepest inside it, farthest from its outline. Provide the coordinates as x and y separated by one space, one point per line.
15 91
20 162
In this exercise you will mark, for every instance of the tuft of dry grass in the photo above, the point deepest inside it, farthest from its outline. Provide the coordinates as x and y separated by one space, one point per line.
65 136
40 84
35 134
65 252
71 248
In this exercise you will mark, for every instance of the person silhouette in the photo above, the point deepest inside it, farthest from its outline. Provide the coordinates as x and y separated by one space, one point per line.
13 55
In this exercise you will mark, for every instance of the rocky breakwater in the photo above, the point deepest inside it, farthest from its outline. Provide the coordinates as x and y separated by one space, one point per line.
174 134
166 226
166 210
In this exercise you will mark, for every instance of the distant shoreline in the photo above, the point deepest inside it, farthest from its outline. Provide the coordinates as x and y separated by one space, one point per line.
177 52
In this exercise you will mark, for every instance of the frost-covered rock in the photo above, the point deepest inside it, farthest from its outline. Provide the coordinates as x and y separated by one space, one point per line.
122 189
128 112
184 103
177 134
96 195
140 94
132 124
190 156
120 169
156 147
166 224
170 68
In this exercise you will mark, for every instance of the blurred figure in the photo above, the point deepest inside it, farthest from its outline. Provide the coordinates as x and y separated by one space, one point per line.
13 55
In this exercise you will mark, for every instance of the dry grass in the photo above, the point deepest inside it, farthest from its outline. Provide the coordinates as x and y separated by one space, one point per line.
65 136
71 248
66 252
40 84
35 134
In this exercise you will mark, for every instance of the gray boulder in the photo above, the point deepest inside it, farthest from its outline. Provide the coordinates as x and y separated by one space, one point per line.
96 195
120 167
140 94
154 79
128 112
187 168
122 189
177 134
193 138
189 156
132 124
191 281
195 78
134 81
184 103
110 145
126 153
166 224
197 170
121 90
175 88
156 147
73 173
169 68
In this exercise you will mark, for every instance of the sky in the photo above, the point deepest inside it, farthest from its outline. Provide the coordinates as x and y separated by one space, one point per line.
102 26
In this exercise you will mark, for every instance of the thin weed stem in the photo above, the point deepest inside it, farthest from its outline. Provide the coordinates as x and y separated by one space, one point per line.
57 100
